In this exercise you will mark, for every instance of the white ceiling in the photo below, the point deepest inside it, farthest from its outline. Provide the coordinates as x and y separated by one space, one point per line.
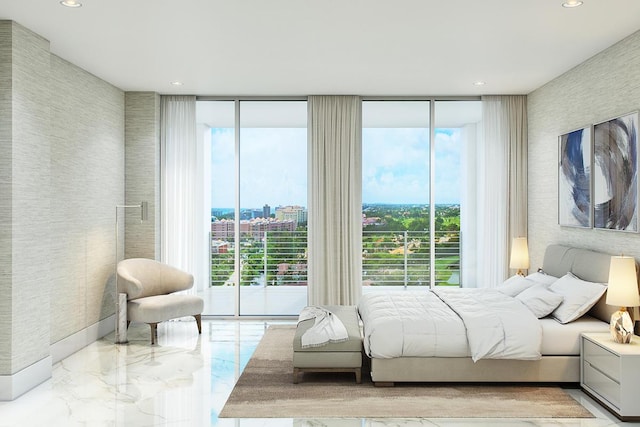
302 47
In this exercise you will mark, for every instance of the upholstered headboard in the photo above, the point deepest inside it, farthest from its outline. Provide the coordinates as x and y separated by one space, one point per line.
587 265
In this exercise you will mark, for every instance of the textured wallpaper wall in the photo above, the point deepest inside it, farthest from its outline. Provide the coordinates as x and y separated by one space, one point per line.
25 241
6 149
61 175
603 87
142 173
87 179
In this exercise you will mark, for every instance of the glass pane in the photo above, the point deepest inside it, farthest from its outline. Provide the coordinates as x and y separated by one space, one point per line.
395 194
273 207
454 184
216 120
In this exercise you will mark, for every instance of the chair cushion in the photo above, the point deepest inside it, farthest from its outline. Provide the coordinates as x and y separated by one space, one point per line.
159 308
142 277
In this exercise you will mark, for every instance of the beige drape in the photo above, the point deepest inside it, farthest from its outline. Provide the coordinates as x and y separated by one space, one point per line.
335 199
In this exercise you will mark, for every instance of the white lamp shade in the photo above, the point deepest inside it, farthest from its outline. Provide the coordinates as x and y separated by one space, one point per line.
519 254
623 283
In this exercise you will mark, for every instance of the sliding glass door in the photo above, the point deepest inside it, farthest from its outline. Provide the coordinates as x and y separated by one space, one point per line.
456 126
273 207
395 194
258 207
414 191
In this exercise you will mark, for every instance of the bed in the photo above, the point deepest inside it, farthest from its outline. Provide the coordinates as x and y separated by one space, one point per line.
558 359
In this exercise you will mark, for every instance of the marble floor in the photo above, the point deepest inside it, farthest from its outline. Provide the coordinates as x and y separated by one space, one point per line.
185 381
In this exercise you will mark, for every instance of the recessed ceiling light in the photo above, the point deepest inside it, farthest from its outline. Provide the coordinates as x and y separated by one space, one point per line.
572 3
176 83
71 3
479 83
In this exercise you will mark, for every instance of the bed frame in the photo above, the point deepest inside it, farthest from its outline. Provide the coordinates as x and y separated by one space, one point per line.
558 260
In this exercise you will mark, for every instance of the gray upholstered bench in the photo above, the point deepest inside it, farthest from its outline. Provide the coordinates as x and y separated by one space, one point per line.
344 356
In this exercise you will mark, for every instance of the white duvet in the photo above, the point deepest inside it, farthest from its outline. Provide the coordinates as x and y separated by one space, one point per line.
446 322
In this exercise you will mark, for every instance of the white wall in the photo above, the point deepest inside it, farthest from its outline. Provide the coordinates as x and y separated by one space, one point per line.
603 87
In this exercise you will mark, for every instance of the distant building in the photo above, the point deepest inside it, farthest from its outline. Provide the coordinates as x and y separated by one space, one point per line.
256 227
374 220
222 229
266 211
291 213
219 247
218 212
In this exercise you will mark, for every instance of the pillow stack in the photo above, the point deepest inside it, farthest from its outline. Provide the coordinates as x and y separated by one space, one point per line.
579 296
566 298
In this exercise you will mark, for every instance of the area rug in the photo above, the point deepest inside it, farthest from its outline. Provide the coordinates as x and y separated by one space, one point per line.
266 390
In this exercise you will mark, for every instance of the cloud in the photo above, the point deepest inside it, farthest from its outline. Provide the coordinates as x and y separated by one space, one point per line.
395 166
273 167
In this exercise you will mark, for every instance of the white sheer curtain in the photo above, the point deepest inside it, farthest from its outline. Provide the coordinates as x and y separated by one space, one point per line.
501 187
335 199
184 214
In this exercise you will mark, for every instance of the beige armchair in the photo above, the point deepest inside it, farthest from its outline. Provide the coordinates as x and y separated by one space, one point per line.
149 286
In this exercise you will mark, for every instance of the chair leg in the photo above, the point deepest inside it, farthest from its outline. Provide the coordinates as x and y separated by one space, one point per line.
198 322
154 332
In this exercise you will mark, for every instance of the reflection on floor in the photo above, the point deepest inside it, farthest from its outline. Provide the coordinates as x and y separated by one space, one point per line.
185 381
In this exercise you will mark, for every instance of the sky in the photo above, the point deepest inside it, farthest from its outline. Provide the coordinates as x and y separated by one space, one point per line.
395 163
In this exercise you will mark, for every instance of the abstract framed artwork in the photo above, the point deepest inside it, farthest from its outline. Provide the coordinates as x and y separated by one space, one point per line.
574 179
615 175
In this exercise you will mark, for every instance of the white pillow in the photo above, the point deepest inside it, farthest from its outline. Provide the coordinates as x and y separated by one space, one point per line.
542 278
579 297
540 300
514 285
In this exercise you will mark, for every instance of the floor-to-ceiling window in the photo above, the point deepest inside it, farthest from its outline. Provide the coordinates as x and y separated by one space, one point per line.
415 198
456 126
395 194
414 191
258 207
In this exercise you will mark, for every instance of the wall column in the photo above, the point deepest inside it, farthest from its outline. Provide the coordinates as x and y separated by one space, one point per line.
142 174
25 187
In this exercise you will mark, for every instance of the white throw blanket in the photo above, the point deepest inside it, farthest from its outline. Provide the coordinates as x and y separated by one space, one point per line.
327 327
498 326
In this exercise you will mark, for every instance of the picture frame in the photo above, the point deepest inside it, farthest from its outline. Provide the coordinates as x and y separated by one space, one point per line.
575 188
615 174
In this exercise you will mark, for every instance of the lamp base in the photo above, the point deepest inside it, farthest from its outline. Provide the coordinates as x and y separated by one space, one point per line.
621 326
121 319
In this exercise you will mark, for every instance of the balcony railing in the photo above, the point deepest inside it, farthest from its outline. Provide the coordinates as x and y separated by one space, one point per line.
279 258
402 258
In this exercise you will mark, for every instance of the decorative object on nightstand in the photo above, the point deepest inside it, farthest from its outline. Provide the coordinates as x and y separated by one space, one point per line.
623 292
519 255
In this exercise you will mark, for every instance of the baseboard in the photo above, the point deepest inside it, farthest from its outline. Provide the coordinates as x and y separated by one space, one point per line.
15 385
69 345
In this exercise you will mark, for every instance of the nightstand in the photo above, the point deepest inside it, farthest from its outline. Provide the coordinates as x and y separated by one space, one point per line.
610 373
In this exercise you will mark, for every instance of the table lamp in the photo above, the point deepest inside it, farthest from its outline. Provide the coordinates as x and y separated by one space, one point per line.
519 255
623 292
